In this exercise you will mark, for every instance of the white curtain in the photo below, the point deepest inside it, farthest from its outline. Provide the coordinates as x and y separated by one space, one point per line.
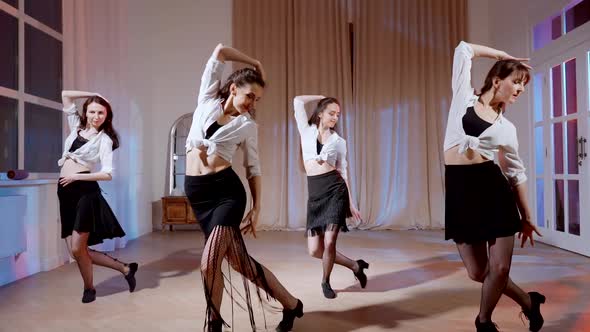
394 85
95 60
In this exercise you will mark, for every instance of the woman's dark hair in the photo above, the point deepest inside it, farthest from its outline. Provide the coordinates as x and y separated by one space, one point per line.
240 78
322 104
502 69
107 125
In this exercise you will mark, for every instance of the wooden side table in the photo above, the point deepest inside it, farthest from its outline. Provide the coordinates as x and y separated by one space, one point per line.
176 211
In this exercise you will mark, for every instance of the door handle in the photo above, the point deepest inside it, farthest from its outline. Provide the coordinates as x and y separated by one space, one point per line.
582 149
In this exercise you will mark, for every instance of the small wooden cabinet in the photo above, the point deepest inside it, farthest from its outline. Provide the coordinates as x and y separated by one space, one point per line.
176 211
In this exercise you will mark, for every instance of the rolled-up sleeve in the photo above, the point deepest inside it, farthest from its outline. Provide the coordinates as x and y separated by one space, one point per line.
106 155
251 160
342 164
73 116
510 162
211 80
461 79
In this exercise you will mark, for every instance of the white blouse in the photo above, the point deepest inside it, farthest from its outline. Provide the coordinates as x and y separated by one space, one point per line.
99 149
500 137
240 131
334 150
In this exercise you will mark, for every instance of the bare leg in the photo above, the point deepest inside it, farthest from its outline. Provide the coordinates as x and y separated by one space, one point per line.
315 246
79 251
500 259
103 259
475 259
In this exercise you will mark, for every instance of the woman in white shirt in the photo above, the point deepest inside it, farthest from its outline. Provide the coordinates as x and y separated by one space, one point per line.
86 218
222 123
329 202
486 204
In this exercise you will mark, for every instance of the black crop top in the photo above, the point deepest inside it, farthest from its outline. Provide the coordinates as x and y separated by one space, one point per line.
319 146
473 124
212 129
78 142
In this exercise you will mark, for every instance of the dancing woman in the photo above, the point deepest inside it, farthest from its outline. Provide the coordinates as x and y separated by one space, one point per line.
86 218
487 204
329 202
221 123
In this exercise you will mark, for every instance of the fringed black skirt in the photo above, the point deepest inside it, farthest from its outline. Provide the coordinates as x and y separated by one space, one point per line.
479 204
83 209
219 201
328 205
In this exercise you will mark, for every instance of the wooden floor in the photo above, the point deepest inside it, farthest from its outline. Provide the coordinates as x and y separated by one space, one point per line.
416 283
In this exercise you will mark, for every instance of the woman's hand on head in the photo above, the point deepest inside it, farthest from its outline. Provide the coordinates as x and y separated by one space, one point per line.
505 56
103 97
260 69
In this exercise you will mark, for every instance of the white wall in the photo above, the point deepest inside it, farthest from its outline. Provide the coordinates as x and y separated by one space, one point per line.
45 250
169 46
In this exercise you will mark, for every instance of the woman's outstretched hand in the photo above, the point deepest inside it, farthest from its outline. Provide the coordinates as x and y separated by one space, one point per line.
250 221
527 233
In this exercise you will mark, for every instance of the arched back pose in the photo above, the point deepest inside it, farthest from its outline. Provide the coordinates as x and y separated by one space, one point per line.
486 204
221 123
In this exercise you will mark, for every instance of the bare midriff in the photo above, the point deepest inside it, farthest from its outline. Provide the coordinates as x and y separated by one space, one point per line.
199 163
313 167
470 157
70 167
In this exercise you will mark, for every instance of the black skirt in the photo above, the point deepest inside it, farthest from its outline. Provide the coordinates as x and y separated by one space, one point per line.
216 199
83 208
328 205
219 201
479 204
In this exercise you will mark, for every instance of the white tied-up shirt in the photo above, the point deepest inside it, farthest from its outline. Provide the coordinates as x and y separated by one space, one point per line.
334 150
240 131
500 137
99 149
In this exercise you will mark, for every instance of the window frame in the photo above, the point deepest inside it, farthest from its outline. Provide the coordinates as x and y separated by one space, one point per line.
20 95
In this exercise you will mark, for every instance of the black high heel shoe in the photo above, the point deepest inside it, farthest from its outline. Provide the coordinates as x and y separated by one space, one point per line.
130 277
534 313
215 326
329 293
289 316
89 295
485 327
360 274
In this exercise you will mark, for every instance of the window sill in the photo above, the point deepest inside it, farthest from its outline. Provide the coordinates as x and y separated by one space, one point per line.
24 183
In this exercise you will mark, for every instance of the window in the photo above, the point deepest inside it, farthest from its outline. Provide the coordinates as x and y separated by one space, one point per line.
31 75
9 51
8 133
572 16
13 3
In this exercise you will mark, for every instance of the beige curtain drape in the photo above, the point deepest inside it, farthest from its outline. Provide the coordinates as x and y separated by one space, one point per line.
389 63
402 62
